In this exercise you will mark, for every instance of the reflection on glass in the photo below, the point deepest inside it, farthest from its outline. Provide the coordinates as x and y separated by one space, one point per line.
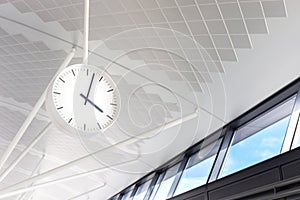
197 169
142 190
127 195
259 140
164 188
249 149
154 191
296 142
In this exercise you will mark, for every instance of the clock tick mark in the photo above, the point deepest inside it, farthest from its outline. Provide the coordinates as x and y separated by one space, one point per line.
87 72
84 126
70 120
73 72
61 80
113 104
56 92
109 117
60 108
110 90
99 125
101 78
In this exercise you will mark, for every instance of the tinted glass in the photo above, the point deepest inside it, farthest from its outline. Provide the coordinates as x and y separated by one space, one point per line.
154 191
164 188
127 195
259 140
142 190
198 168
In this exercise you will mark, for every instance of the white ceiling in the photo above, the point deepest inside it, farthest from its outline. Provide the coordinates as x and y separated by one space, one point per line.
169 56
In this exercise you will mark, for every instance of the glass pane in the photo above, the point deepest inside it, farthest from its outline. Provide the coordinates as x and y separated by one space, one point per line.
296 142
154 191
198 168
127 195
259 140
142 190
166 184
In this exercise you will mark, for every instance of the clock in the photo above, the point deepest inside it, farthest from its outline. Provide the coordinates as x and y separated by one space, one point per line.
83 99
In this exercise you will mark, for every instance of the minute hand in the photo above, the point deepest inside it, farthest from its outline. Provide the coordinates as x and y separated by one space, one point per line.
92 103
88 93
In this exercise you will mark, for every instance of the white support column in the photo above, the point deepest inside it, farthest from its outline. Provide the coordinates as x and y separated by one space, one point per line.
32 114
22 186
23 154
86 32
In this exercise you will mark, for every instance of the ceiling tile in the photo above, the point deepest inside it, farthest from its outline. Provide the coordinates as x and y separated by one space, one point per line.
241 41
204 41
180 27
236 26
215 66
166 3
34 5
185 2
210 11
146 4
21 6
201 2
192 54
274 8
211 55
45 16
131 5
230 11
216 27
115 6
256 26
198 27
227 55
252 9
58 13
191 13
222 41
173 14
155 16
49 4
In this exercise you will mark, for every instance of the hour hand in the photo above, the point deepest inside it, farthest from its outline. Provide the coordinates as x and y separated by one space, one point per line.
88 100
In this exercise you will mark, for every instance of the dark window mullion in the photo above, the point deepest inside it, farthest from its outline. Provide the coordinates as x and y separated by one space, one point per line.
178 176
151 186
229 132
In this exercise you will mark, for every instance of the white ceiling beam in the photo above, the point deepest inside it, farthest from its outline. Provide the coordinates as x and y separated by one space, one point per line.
22 186
33 113
24 153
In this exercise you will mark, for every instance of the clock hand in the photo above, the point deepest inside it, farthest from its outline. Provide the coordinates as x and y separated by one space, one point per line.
93 104
88 93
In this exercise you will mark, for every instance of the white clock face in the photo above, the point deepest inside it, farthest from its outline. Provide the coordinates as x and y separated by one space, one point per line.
85 98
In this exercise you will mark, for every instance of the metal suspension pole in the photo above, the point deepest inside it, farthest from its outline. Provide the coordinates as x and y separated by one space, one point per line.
21 186
23 154
86 32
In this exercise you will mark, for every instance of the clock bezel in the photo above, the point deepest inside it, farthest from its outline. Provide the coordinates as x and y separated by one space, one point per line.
60 122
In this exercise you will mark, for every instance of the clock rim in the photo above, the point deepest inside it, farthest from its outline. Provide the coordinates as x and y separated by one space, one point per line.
56 118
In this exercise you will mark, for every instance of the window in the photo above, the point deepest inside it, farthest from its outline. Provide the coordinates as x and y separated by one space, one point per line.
161 176
164 188
142 190
296 142
258 140
198 168
127 195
